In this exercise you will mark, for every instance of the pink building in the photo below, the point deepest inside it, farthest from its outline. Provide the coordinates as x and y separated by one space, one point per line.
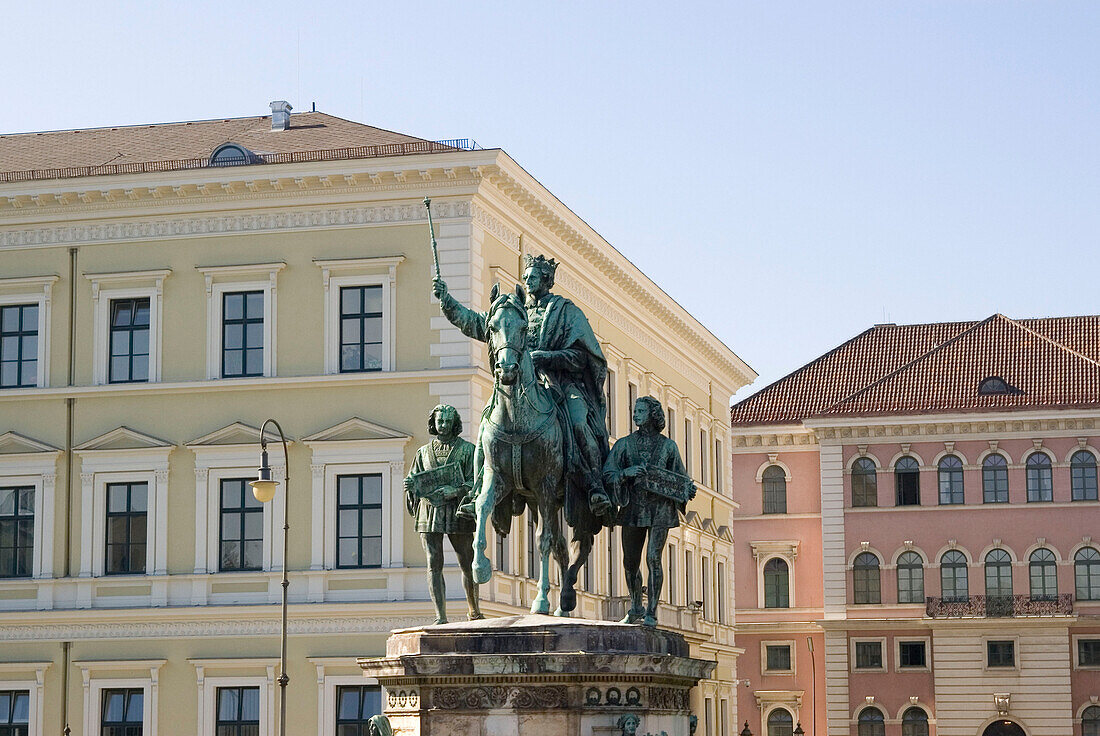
918 537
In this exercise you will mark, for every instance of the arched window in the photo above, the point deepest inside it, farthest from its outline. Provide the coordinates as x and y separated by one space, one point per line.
1086 568
910 578
864 483
914 722
995 479
954 585
1090 721
776 584
907 481
1082 473
230 154
780 723
865 579
998 575
871 723
775 490
1039 485
1044 575
951 480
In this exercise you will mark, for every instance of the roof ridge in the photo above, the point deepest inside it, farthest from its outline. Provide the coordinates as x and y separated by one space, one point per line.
176 122
1052 341
916 360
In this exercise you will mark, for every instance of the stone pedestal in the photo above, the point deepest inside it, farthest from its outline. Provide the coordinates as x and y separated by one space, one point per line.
536 676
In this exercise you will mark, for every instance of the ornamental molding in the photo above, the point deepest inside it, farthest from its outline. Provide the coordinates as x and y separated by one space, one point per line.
204 628
978 429
495 227
776 439
787 548
167 228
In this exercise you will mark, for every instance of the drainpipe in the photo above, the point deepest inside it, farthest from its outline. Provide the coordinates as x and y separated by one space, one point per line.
70 406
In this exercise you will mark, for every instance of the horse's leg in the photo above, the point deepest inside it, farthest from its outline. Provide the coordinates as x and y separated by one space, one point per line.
541 604
483 505
580 547
560 551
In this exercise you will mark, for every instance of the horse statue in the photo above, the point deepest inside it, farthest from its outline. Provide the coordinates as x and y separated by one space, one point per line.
521 447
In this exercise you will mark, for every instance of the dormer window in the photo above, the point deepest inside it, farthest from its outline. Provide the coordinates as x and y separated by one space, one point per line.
995 386
230 154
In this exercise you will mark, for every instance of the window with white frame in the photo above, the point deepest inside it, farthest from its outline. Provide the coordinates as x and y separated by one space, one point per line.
120 697
24 341
911 654
238 705
345 700
118 487
127 313
22 711
719 466
359 521
360 313
15 712
868 654
241 532
28 476
777 657
609 401
240 320
16 531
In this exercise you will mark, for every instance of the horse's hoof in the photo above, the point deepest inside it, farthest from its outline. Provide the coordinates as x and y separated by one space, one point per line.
483 570
561 614
540 605
568 600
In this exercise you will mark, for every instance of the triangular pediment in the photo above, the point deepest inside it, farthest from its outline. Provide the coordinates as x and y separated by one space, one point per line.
12 443
355 430
122 438
723 532
691 518
237 433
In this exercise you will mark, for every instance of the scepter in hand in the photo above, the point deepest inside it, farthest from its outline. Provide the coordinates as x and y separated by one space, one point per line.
431 229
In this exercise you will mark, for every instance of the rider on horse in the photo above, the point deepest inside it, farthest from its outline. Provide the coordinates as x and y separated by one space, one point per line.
564 350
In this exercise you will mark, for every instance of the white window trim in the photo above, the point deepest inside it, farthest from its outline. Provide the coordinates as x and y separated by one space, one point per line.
33 290
881 640
151 286
36 705
38 470
764 671
100 467
252 277
764 551
898 640
339 273
94 687
1076 652
390 502
327 685
1015 668
208 690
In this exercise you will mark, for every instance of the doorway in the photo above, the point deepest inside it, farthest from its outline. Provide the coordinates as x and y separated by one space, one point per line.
1003 728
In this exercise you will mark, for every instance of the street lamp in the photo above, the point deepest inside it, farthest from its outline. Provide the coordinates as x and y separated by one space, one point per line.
263 488
798 730
745 731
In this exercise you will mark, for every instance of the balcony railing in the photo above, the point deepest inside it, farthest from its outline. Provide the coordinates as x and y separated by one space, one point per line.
999 606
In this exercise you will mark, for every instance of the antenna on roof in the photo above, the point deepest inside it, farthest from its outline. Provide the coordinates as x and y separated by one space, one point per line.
314 107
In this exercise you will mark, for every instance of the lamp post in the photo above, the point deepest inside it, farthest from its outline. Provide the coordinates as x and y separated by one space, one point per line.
745 731
263 488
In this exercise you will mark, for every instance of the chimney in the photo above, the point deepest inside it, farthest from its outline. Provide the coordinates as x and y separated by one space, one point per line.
280 115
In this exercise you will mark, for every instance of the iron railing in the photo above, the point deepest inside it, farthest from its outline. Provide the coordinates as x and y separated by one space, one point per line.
999 606
294 157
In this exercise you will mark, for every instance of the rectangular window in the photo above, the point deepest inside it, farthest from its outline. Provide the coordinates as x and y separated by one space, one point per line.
671 424
1088 652
122 712
609 400
19 346
242 334
355 704
671 576
868 655
127 522
912 654
703 448
1000 653
704 572
238 711
612 563
719 466
360 329
359 520
15 712
632 394
16 532
777 657
720 603
129 348
502 553
242 527
689 578
689 461
533 557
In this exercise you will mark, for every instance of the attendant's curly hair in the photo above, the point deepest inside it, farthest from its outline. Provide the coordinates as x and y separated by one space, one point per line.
656 411
444 407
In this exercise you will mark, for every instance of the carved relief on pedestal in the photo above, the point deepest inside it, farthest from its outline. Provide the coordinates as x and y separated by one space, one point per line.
498 696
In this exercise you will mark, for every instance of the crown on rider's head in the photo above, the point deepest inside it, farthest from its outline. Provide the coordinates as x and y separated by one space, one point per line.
548 267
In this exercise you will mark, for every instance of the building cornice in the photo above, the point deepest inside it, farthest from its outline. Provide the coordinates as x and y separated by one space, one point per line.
999 424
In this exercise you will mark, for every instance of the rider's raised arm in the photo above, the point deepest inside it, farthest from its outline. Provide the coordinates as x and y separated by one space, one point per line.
473 324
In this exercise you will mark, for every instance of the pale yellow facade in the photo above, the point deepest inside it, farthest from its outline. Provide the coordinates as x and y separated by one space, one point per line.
298 233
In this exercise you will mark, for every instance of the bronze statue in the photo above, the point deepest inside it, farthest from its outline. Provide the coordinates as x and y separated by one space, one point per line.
647 480
441 477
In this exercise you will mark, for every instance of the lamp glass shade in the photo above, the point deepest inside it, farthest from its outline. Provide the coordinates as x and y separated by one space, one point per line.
264 489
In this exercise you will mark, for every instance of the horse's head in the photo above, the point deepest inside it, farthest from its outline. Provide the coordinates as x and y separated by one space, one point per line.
507 322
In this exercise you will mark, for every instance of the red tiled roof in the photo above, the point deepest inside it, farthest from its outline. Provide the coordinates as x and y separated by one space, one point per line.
308 131
937 368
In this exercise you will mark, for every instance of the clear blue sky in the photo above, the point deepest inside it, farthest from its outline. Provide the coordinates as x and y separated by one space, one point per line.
790 172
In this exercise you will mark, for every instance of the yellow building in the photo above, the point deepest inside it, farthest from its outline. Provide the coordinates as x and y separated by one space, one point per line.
156 308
